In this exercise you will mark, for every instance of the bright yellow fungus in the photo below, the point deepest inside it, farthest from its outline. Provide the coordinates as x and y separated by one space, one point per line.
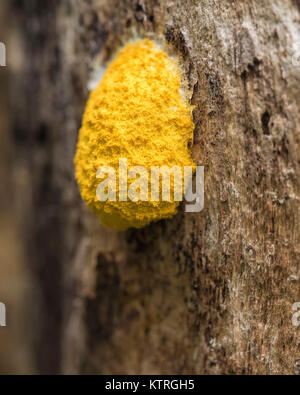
137 112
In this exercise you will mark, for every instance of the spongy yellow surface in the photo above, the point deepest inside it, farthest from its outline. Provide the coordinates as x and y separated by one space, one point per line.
138 113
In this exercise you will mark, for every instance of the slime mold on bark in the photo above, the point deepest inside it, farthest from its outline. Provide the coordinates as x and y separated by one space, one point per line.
136 112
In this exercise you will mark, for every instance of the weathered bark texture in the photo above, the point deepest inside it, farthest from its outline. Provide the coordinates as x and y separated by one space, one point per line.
202 293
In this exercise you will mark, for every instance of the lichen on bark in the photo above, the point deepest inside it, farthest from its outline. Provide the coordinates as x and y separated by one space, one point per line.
200 293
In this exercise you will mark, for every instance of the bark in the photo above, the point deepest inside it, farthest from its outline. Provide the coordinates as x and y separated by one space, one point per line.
210 292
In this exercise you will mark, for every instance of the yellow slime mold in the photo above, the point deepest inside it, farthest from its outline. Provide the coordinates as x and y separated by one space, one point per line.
137 113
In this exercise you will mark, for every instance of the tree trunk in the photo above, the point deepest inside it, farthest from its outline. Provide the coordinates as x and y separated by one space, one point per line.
209 292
